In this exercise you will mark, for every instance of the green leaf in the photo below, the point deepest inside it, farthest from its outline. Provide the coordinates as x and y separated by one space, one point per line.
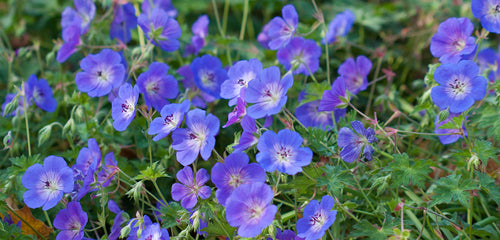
487 119
336 177
484 150
314 91
453 188
372 231
152 172
319 141
488 185
406 171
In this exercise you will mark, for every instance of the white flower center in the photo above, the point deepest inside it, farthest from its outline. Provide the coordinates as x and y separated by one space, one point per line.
458 88
317 220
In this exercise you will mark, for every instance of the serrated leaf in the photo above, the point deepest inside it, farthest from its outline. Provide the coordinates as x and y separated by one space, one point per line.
372 231
336 177
406 171
453 188
319 141
488 185
484 150
314 91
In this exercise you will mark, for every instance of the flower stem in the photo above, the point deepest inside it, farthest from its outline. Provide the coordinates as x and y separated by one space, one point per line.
244 21
26 118
48 219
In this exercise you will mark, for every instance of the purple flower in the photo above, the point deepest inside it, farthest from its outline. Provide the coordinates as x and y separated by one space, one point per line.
165 5
82 16
208 74
249 208
200 32
355 73
171 117
268 93
247 138
138 225
238 112
447 139
161 29
339 26
198 138
239 75
309 115
459 86
353 143
109 169
199 98
336 98
487 59
263 38
234 172
281 30
71 221
124 21
20 106
157 86
154 231
300 54
282 152
191 188
101 73
46 184
316 218
71 38
41 93
285 235
123 107
453 40
117 221
488 11
88 159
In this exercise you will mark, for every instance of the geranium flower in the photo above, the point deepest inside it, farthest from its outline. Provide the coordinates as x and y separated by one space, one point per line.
171 117
249 208
281 30
316 218
238 112
101 73
123 107
165 5
310 116
199 98
41 93
198 138
300 54
336 98
71 37
71 221
208 74
124 20
353 143
162 30
82 16
157 86
453 41
355 73
109 169
20 105
154 231
339 26
46 184
117 221
459 86
448 139
247 138
282 152
191 188
239 75
488 11
234 172
200 32
268 93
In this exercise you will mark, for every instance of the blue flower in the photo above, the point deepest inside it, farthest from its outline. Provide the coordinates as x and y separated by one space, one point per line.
191 188
154 231
249 208
124 21
165 5
123 107
453 41
459 86
336 98
247 138
197 97
488 11
109 169
268 93
355 73
161 29
282 152
353 143
71 37
339 26
71 221
200 32
208 74
171 117
41 93
20 105
82 16
101 73
300 54
46 184
157 86
234 172
238 112
117 221
448 139
281 30
239 75
199 138
316 218
310 116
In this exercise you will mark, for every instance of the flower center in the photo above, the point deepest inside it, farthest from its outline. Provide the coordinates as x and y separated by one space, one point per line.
127 107
152 87
102 76
459 45
458 87
235 180
317 220
272 96
255 211
284 154
169 119
38 93
208 78
241 82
